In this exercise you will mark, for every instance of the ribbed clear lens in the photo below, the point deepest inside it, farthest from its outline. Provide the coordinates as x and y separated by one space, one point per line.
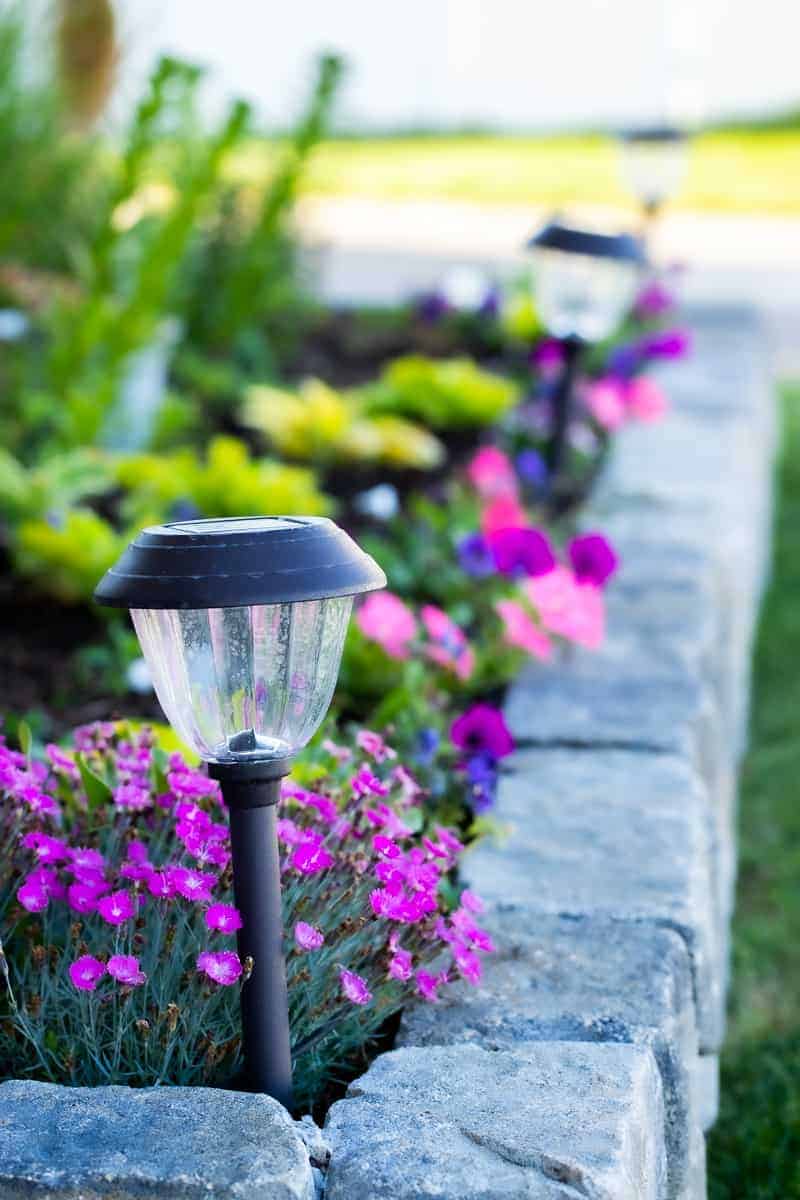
239 683
582 295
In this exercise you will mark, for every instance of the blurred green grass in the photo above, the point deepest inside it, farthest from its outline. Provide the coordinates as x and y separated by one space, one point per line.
754 1150
730 171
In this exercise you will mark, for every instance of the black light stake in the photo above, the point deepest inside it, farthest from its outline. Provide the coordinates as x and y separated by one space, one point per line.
242 622
583 284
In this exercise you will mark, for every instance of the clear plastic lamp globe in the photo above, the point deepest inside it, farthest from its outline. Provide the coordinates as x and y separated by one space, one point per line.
583 282
242 623
653 164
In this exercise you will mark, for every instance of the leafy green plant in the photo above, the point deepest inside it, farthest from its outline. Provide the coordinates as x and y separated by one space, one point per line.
227 483
318 423
67 556
452 394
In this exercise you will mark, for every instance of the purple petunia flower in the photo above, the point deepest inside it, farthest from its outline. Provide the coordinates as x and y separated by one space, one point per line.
593 558
518 552
432 307
531 468
482 729
475 556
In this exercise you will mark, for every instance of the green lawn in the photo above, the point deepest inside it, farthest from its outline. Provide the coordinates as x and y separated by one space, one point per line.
750 171
754 1151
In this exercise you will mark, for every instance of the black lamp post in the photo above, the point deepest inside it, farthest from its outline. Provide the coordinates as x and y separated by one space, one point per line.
242 622
653 161
583 284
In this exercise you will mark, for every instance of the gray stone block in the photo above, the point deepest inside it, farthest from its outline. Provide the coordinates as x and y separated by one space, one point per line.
611 834
552 1121
584 980
167 1143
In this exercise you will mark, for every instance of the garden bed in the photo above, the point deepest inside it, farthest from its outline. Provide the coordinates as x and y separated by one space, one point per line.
586 1064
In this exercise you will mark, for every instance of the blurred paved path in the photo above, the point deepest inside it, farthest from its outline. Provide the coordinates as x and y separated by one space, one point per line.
382 251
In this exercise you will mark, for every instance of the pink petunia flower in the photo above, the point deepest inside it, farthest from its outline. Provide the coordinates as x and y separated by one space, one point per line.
645 400
125 969
223 967
116 908
605 400
385 619
519 629
86 971
354 987
307 936
224 918
574 610
450 648
491 473
504 512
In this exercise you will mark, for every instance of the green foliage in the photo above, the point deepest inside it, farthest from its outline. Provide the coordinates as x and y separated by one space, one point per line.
246 273
756 1142
321 424
227 483
69 557
452 394
53 486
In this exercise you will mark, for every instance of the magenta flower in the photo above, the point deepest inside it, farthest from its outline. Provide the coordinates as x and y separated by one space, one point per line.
520 552
159 884
46 848
307 936
385 619
223 967
366 783
354 987
63 763
449 648
669 343
33 896
654 300
310 856
85 859
547 356
472 902
401 965
605 400
192 885
468 963
482 728
83 897
85 972
116 908
427 986
132 797
593 558
224 918
125 969
374 745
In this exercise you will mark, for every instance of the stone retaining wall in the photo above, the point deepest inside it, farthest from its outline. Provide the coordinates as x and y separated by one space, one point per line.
586 1066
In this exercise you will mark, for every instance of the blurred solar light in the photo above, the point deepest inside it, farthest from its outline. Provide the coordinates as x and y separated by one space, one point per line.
653 162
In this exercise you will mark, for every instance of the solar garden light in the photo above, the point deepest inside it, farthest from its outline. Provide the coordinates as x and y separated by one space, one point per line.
242 622
583 283
653 164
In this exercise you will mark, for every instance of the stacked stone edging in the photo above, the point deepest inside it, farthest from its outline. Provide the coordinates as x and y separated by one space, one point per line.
585 1067
610 899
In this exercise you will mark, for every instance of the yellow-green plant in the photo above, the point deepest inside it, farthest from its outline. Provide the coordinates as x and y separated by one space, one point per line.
450 394
227 483
67 556
320 424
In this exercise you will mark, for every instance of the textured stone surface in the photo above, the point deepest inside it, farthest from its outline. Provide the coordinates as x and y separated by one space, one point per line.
169 1143
554 1121
613 834
584 980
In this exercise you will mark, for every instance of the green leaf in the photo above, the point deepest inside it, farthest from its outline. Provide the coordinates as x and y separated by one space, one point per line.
97 790
25 738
